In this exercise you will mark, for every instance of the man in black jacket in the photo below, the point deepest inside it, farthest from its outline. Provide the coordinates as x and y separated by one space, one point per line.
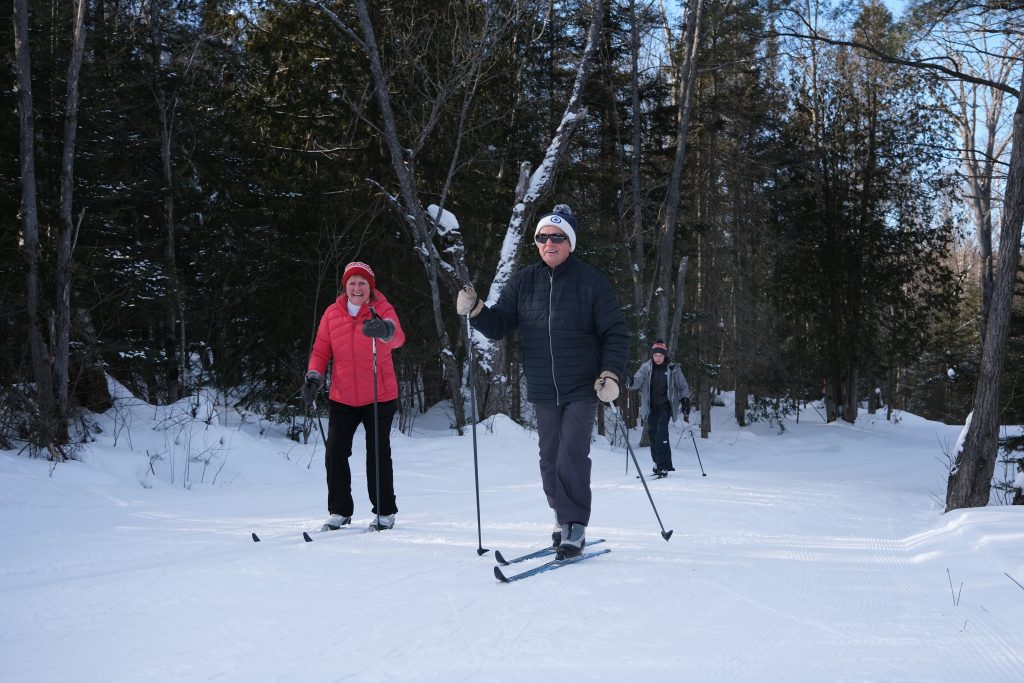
574 345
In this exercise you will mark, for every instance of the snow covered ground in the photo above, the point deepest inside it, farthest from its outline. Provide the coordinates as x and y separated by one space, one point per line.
818 554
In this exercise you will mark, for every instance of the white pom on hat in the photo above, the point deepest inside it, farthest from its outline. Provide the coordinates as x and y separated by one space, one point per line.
560 217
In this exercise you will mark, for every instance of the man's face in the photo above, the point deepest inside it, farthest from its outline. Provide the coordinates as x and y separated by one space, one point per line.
551 252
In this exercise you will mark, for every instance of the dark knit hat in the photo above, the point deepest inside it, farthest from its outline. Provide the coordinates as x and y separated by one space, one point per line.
560 217
359 268
659 347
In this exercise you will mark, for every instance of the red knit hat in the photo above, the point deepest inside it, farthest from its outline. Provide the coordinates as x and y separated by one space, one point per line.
659 347
358 268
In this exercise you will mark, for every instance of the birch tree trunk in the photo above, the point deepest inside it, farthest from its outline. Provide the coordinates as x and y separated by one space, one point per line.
424 229
529 194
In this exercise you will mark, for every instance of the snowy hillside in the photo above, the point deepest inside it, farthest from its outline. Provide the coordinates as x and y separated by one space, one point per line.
818 554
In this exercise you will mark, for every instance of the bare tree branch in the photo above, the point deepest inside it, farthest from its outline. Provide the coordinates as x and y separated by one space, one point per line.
882 56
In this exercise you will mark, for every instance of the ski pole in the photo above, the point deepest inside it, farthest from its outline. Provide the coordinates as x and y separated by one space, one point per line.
702 472
376 428
664 534
627 463
480 550
321 423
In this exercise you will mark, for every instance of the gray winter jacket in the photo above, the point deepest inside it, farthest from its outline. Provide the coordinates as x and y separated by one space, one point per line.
678 389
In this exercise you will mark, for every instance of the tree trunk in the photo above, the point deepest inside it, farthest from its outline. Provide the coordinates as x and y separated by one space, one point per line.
422 227
411 207
970 480
67 234
1018 494
636 241
979 165
851 407
172 304
38 348
830 392
89 387
680 304
742 398
530 190
49 361
686 77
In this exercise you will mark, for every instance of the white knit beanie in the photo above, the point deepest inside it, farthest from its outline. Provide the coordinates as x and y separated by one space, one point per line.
560 217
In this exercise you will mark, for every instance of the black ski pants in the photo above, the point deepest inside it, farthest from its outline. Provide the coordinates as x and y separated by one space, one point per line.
657 428
344 420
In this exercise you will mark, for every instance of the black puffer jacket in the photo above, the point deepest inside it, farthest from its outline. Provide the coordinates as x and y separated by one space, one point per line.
570 325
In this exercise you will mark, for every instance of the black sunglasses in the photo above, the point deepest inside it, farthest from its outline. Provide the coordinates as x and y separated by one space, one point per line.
557 237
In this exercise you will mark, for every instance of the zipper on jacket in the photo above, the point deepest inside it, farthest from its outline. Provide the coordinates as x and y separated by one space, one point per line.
551 344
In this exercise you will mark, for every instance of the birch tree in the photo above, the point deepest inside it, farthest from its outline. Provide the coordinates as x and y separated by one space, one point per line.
534 186
438 244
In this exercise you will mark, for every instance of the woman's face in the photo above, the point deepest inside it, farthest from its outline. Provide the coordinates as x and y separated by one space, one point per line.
658 358
357 289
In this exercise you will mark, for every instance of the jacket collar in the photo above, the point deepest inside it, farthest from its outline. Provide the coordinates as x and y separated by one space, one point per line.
560 270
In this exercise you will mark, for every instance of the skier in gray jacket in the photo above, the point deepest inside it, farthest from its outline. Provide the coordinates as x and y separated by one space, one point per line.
664 394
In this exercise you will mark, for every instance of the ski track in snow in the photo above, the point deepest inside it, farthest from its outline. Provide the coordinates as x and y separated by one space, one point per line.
817 555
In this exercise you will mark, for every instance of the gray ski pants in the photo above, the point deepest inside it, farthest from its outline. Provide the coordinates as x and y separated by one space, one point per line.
564 439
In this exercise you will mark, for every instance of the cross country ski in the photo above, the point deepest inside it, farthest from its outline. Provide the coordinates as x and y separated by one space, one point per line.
550 550
547 566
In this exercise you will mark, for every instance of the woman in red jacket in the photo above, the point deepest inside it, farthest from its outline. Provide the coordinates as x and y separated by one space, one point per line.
358 320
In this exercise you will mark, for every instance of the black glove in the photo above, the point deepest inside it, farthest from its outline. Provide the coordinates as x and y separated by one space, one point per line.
379 328
314 380
684 406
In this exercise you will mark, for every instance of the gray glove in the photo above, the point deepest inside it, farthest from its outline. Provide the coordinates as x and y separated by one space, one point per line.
311 387
379 328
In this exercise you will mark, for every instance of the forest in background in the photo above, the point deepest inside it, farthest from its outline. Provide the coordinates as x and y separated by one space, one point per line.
790 193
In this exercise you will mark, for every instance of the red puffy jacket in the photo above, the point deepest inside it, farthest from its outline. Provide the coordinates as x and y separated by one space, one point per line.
340 336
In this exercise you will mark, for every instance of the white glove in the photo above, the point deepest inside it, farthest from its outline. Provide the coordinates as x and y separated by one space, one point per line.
468 303
607 386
